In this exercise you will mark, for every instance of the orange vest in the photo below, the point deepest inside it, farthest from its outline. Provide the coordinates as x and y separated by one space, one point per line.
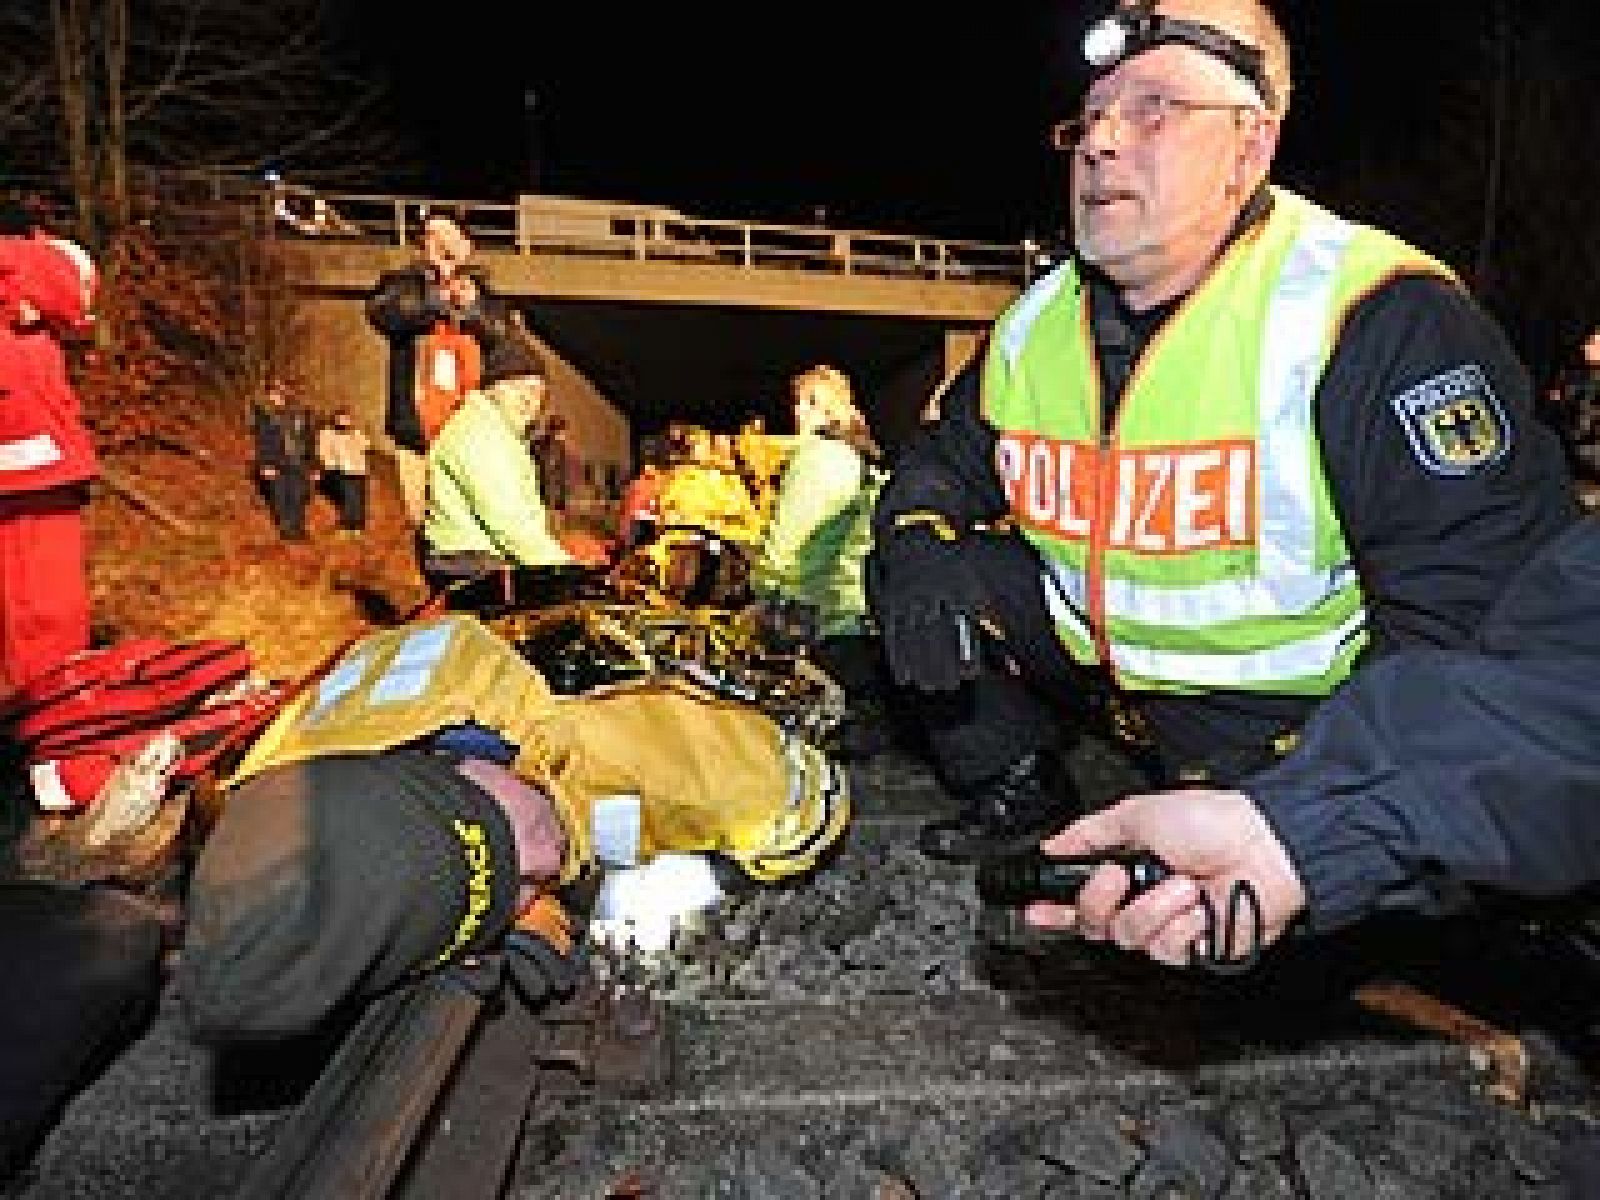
449 365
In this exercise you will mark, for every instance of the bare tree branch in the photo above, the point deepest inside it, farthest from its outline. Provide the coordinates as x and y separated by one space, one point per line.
98 85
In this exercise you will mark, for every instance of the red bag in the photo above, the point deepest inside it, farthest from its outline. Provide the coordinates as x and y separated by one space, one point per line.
135 687
78 722
72 781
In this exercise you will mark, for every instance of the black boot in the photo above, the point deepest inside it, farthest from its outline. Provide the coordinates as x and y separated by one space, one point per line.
1007 814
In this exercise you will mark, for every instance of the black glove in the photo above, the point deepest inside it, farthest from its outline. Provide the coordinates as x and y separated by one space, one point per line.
929 603
539 972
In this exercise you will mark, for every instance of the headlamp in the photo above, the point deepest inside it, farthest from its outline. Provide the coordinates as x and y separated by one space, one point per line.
1138 27
1106 43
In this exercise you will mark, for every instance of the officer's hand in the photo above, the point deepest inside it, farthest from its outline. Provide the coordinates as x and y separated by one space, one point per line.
929 603
1210 839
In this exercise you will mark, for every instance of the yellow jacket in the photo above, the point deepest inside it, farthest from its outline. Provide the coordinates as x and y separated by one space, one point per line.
635 770
712 499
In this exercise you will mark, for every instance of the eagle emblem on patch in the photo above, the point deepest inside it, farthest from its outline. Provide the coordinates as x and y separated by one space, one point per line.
1454 422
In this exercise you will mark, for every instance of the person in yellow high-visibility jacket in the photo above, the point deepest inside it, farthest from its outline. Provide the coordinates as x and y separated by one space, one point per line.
1227 451
704 490
813 554
484 506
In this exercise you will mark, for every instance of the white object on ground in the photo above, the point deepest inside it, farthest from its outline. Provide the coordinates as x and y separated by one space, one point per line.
642 905
132 796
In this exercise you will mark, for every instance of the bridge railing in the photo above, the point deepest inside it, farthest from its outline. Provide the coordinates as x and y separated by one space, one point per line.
539 224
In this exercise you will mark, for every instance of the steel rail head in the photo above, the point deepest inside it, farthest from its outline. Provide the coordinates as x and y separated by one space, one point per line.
351 1136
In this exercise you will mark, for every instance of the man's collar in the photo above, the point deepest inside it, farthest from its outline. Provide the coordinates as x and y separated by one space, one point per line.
1255 212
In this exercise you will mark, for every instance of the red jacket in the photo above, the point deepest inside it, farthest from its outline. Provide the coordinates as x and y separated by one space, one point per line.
641 498
43 441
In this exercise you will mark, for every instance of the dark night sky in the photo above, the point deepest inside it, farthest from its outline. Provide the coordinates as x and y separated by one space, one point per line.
919 125
901 119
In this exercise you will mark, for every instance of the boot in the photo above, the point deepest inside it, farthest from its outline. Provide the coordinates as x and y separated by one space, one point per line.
1006 814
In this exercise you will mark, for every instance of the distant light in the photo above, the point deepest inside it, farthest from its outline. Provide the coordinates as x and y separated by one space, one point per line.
272 177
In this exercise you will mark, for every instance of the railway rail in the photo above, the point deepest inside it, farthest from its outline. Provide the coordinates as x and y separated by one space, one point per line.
872 1032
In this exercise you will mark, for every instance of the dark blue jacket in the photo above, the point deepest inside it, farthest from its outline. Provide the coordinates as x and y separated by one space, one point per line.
284 437
1432 772
405 304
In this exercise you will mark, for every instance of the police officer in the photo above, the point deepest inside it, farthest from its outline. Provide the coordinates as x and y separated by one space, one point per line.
1432 775
1434 778
1231 449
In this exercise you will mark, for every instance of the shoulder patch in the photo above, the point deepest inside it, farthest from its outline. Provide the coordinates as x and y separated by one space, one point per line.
1454 422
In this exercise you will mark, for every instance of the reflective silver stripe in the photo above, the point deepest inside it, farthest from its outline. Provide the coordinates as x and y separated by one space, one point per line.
412 667
1026 311
795 756
30 453
1066 598
1291 361
1306 659
832 791
1198 605
339 682
616 828
1226 599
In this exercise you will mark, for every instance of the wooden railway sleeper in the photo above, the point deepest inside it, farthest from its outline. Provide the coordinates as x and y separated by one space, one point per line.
1499 1054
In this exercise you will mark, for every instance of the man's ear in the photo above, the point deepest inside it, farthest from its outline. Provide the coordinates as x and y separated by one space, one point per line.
1256 151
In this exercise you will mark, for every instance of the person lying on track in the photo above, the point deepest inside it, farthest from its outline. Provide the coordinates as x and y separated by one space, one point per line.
429 799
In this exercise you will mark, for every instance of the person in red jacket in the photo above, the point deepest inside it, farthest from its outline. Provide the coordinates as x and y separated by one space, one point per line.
639 510
46 456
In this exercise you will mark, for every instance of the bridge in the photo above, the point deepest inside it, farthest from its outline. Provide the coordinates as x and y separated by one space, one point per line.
653 314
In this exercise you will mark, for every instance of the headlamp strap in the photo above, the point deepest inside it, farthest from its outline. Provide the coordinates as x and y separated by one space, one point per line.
1138 27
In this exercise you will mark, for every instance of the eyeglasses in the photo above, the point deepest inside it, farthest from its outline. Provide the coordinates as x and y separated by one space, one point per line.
1144 113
